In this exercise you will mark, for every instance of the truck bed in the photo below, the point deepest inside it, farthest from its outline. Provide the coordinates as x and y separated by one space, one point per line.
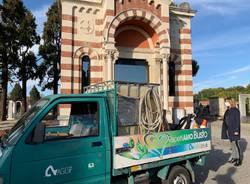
136 149
140 149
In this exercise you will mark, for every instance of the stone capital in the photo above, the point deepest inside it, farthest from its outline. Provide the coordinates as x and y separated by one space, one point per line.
111 54
164 51
165 57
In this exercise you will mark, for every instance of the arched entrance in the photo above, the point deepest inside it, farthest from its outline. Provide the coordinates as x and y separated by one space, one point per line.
89 69
244 105
139 34
136 42
141 16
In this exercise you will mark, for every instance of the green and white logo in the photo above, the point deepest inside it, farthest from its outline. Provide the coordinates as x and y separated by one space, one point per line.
51 171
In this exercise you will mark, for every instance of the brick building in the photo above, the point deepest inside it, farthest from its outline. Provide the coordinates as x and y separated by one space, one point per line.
100 37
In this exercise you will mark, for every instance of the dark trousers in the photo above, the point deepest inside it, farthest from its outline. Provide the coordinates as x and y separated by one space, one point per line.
236 152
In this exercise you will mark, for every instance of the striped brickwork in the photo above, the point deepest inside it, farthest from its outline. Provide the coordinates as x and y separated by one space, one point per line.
87 28
186 64
143 15
184 80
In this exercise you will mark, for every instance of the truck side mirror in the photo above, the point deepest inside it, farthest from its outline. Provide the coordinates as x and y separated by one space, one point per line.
38 134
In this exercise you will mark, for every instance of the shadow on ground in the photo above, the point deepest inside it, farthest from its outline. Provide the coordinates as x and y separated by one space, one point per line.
216 159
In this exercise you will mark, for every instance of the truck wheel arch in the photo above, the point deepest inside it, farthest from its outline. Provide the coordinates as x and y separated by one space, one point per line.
164 172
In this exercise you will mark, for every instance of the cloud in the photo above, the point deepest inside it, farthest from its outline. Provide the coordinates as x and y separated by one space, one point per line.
235 71
214 55
222 7
225 39
40 15
225 79
212 83
207 84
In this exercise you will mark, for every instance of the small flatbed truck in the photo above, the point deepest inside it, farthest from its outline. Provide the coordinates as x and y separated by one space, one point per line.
96 137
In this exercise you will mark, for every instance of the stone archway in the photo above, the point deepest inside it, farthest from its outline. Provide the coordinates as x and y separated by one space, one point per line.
243 98
96 67
136 42
86 51
145 16
14 109
136 29
161 49
162 53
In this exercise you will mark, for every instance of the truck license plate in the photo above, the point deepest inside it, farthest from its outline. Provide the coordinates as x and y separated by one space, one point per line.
135 168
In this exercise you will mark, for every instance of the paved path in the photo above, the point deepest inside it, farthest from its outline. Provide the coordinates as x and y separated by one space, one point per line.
217 170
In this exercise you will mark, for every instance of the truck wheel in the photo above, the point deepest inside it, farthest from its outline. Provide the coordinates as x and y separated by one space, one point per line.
178 175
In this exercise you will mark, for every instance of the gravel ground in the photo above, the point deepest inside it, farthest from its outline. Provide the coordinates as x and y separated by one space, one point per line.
217 170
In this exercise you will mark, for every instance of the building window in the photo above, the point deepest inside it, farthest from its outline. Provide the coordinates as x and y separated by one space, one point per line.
171 73
85 71
131 70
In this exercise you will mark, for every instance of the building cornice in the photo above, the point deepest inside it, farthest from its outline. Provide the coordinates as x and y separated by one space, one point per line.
87 2
183 9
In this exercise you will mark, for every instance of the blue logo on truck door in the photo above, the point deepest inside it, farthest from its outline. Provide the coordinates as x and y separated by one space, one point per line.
51 171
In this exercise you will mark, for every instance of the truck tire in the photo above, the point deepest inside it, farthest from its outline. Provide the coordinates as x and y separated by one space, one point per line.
178 175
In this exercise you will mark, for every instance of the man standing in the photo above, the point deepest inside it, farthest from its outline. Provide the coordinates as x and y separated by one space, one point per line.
231 130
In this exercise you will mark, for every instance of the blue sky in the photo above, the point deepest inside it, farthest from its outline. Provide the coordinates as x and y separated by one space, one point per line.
220 40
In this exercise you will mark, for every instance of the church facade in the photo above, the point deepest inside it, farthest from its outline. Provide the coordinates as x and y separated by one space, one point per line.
133 40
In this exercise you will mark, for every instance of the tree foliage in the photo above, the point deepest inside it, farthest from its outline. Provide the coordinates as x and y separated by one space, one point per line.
248 88
195 67
16 94
25 67
19 36
50 50
11 19
25 70
232 92
34 95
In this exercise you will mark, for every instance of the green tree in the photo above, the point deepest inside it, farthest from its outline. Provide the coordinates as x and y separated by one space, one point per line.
34 95
19 36
195 67
11 12
25 67
248 88
16 93
232 92
50 50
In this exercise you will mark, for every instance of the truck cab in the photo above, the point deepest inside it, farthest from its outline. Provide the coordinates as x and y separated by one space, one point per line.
47 147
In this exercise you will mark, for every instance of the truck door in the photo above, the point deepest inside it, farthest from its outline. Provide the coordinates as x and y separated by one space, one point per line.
73 150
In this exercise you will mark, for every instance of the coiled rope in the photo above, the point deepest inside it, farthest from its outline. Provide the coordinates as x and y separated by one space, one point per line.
150 112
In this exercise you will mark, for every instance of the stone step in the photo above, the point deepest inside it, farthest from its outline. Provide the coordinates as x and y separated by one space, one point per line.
5 125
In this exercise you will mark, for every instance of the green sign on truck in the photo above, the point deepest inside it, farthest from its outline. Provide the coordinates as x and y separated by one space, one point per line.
97 137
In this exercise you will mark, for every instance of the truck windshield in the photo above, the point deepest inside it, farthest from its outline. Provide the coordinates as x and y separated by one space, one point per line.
17 129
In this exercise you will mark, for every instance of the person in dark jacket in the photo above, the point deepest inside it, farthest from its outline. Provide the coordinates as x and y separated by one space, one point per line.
231 130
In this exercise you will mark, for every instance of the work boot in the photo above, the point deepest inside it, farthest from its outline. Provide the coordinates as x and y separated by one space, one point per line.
232 160
238 162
